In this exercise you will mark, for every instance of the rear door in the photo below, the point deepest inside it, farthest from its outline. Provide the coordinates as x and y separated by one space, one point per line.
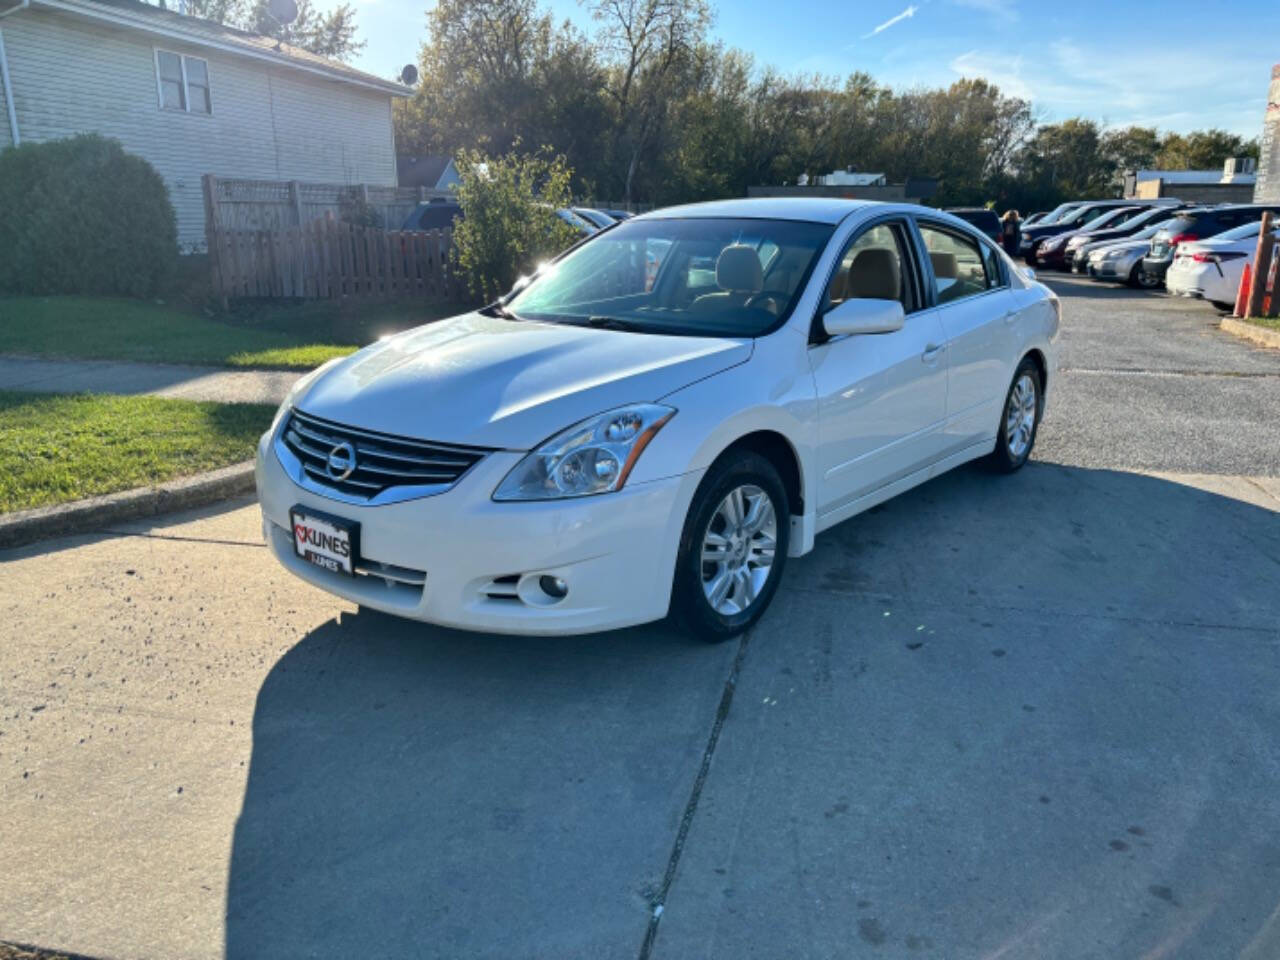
968 284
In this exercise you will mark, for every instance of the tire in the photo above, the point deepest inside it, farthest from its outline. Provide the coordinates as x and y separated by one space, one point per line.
751 476
1009 457
1143 280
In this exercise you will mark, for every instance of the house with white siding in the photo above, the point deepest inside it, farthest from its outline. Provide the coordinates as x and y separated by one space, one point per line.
190 96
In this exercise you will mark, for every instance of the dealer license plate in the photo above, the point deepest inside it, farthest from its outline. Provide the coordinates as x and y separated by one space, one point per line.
329 542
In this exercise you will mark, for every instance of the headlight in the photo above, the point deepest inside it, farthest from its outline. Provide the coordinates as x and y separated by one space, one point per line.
1075 242
1053 244
594 456
1114 254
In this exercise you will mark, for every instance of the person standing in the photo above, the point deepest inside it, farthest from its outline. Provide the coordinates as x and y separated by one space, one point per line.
1010 231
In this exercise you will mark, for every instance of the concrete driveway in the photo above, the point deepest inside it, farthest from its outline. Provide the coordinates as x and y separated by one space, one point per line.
996 717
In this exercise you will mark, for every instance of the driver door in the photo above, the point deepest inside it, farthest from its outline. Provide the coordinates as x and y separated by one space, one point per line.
882 398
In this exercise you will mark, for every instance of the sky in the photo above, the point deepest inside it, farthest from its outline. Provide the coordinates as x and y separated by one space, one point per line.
1175 64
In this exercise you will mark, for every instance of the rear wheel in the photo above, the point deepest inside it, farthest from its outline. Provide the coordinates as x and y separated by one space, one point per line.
1023 406
733 548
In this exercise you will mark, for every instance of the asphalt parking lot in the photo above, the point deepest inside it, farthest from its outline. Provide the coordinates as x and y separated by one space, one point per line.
1012 717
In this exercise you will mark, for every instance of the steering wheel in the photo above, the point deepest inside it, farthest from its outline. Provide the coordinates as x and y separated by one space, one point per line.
779 298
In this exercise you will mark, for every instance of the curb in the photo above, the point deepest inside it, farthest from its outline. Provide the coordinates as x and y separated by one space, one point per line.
1251 331
85 516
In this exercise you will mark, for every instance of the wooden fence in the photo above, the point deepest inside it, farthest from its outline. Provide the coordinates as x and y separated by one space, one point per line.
329 259
232 204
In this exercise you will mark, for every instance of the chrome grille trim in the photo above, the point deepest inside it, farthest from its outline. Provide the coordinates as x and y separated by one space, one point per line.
389 468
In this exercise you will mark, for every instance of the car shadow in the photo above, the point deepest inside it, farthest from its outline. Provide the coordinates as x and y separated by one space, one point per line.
415 791
1076 285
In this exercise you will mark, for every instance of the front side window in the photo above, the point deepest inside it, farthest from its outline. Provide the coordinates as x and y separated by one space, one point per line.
183 82
692 277
874 266
959 269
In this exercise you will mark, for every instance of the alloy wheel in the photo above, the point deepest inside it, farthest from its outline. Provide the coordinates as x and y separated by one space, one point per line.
738 549
1020 416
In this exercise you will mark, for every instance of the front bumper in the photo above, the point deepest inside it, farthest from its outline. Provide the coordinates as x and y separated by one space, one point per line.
1156 268
459 559
1116 268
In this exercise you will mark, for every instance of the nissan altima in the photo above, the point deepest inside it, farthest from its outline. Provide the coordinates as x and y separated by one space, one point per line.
655 421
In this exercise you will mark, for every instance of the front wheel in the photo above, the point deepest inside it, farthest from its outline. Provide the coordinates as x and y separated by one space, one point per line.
733 548
1023 407
1140 278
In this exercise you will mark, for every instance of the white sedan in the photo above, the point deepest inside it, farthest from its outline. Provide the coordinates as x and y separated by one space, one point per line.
615 441
1211 269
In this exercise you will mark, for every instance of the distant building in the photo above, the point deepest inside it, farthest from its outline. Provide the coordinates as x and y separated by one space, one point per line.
1234 183
433 171
847 177
1268 188
853 186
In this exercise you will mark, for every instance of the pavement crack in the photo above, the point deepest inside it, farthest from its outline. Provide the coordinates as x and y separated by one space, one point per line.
659 901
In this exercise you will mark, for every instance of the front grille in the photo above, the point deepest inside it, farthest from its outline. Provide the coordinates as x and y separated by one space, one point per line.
382 461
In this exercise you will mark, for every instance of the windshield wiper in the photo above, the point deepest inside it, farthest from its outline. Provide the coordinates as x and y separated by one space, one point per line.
613 323
496 309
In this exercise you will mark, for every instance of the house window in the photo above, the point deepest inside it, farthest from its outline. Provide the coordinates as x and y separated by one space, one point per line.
183 82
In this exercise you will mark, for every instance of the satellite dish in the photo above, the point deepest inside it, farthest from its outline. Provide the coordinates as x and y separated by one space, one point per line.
283 11
409 75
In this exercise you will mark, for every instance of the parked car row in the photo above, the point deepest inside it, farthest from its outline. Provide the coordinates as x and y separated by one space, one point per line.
1192 250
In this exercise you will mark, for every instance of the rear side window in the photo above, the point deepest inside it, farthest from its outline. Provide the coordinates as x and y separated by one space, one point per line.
960 268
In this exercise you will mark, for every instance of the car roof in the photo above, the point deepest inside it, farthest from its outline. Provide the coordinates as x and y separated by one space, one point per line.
830 210
816 209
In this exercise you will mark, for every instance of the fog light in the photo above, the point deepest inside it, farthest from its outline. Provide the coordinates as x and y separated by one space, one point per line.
553 587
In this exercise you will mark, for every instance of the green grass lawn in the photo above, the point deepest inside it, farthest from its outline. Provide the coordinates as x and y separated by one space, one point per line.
294 336
55 447
1271 323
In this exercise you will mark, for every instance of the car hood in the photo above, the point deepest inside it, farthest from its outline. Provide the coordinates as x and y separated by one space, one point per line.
1122 245
490 382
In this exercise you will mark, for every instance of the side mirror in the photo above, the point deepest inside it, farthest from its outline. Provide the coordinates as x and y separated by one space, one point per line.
863 316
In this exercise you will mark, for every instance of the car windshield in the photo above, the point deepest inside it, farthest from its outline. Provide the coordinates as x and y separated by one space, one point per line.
1077 217
1053 215
1102 220
691 277
1138 219
1151 231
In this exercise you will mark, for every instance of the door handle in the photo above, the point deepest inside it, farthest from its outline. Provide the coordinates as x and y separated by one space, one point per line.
1011 316
931 352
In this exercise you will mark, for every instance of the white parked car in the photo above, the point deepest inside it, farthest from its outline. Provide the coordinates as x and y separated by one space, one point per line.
608 444
1211 269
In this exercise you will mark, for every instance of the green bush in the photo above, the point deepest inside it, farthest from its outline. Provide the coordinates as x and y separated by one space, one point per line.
509 221
82 216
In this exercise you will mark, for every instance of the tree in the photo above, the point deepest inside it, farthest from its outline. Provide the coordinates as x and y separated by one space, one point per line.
647 42
1064 160
509 222
496 72
331 34
1203 150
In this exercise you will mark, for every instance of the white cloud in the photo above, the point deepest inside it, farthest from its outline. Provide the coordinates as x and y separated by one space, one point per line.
906 14
1116 89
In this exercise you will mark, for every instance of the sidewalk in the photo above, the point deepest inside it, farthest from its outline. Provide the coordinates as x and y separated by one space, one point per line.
161 379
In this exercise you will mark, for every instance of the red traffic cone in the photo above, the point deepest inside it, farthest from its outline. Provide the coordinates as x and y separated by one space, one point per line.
1242 295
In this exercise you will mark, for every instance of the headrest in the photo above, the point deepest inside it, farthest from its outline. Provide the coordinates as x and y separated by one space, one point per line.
738 270
874 275
944 265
